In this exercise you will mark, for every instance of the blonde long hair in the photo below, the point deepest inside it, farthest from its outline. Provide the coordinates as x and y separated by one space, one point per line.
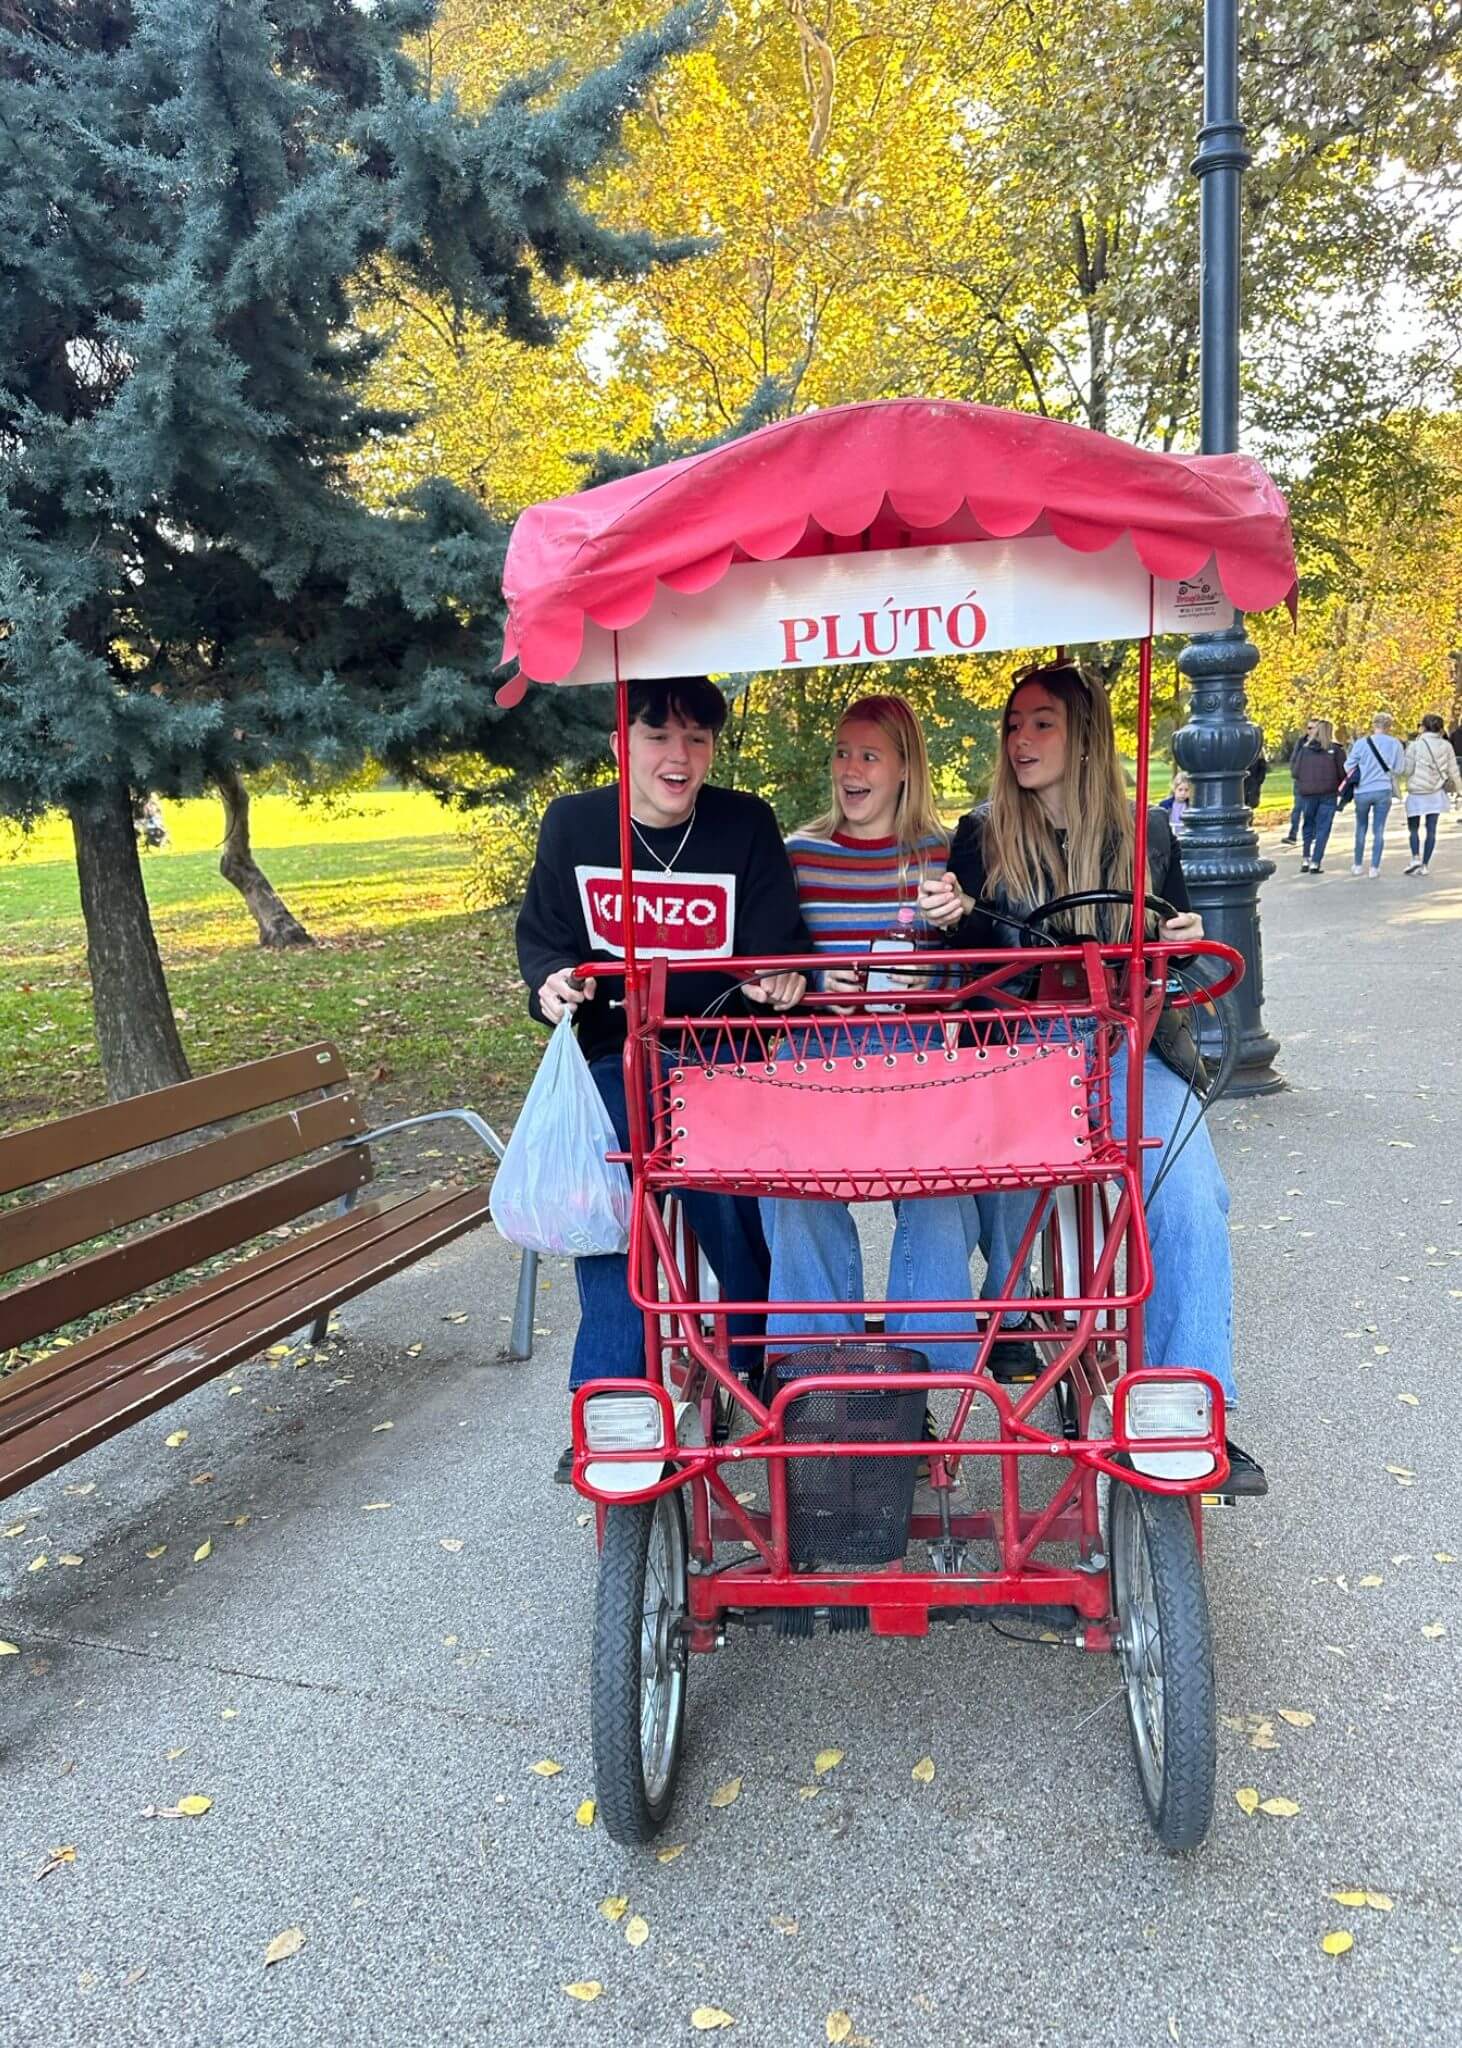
916 817
1024 860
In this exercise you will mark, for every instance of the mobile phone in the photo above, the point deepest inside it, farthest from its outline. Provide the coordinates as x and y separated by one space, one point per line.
880 980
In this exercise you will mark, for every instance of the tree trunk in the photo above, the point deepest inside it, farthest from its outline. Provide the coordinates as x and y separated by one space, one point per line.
278 925
136 1033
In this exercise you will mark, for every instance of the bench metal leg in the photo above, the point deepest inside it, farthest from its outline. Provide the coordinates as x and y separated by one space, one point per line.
521 1343
320 1327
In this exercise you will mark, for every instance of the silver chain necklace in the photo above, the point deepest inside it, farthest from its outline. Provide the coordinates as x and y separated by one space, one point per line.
667 865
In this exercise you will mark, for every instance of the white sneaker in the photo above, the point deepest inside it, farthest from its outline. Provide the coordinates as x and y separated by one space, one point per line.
1413 867
1426 867
1374 873
1357 869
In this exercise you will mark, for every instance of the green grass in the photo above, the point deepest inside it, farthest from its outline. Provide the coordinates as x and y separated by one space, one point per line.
422 997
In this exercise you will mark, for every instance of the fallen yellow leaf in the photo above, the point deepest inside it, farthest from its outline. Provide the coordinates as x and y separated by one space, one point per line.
827 1760
284 1945
205 1549
1337 1944
1279 1808
707 2017
1411 1400
586 1989
584 1813
923 1771
377 1427
1297 1717
38 1564
69 1557
17 1528
1433 1630
1443 1557
637 1931
669 1855
614 1908
1378 1902
195 1804
808 1791
545 1768
54 1861
839 2026
9 1649
178 1437
1401 1472
372 1507
452 1543
277 1351
726 1795
1248 1799
1371 1579
174 1754
1352 1898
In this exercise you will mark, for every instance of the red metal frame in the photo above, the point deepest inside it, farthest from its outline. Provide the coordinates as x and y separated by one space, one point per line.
984 1030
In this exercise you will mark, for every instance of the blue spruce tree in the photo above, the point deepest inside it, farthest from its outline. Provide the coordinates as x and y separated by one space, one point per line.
193 195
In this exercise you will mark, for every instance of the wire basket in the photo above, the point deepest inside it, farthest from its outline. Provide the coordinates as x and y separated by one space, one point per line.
850 1510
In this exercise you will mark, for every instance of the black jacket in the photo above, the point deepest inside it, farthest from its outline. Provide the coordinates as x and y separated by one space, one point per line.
729 890
967 860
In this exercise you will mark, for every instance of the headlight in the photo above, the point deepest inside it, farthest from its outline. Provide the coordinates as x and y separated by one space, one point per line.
623 1422
1172 1408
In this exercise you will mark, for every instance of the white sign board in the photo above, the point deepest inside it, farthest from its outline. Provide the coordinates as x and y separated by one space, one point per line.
901 604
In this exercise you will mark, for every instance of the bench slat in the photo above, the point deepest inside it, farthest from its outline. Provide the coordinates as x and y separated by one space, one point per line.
57 1222
93 1135
406 1233
82 1285
140 1338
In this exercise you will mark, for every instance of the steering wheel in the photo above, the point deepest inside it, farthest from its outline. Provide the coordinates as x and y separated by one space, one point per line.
1079 900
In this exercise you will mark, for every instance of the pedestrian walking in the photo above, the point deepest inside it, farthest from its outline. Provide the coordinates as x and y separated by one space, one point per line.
1291 837
1431 774
1254 778
1373 766
1318 768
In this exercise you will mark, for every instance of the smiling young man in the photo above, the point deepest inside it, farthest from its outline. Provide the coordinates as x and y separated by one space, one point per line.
711 879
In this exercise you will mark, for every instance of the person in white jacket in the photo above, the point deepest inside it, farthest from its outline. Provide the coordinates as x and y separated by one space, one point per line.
1431 772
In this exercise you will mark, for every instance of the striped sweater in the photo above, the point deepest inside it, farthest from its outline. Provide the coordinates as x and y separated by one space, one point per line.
852 890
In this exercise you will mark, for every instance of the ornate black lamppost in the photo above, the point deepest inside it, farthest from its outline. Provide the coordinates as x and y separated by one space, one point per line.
1218 744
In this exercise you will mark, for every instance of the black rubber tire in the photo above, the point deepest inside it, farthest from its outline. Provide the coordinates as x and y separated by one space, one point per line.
1180 1803
629 1812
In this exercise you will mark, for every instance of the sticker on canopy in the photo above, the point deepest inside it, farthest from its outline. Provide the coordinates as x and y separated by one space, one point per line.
679 916
1193 604
901 604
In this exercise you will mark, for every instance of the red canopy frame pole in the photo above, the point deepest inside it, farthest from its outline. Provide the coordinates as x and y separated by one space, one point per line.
1137 976
636 1102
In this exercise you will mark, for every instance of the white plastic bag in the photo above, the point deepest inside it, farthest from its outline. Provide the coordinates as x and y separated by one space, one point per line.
555 1191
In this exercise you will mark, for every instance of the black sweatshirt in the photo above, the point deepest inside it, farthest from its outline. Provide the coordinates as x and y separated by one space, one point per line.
730 890
967 862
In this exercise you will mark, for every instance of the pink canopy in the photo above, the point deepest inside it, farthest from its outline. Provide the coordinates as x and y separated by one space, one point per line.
905 472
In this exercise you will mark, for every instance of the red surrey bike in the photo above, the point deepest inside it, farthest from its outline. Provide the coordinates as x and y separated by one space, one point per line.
876 532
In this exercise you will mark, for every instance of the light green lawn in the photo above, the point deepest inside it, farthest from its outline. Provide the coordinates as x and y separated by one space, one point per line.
416 991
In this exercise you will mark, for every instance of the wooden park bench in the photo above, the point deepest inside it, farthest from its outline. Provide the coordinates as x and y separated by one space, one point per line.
234 1127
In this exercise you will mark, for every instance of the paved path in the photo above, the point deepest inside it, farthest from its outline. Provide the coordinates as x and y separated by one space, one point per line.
362 1689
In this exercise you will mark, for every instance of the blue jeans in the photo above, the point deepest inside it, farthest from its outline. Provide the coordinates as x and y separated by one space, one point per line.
816 1256
1371 810
1292 830
1190 1311
610 1343
1317 815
